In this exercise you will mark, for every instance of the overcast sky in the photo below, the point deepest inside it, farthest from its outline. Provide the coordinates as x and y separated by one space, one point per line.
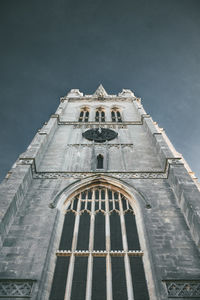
48 47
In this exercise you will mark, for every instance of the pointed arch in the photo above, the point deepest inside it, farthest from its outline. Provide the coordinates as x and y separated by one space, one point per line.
138 199
100 159
137 202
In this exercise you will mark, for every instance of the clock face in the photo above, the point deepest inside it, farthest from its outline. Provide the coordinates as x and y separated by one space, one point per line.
100 135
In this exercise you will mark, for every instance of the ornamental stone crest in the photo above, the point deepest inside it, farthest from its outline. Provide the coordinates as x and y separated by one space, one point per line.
183 289
100 92
15 288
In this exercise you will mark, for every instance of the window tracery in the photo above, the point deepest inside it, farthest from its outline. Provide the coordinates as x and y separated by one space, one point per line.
99 255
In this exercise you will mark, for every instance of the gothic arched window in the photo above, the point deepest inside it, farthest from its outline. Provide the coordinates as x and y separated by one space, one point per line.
100 161
116 115
84 115
119 118
100 115
99 256
97 116
113 116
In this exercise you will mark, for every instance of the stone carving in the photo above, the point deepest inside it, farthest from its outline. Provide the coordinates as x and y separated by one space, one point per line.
128 175
183 289
75 93
175 161
15 288
100 135
75 126
25 161
95 144
99 253
137 174
126 93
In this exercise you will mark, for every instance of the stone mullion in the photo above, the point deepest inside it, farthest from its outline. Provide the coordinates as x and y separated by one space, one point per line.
129 284
108 258
72 258
91 245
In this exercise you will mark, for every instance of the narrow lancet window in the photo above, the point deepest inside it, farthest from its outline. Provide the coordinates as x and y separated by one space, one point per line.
86 116
100 161
102 116
113 116
119 119
81 116
97 116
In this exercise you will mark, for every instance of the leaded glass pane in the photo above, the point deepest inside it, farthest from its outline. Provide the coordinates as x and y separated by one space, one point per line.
139 282
117 205
75 203
99 278
103 205
67 232
83 235
99 233
124 203
89 205
115 232
90 194
59 279
96 194
96 205
110 205
131 231
118 279
79 278
102 194
82 205
83 195
116 195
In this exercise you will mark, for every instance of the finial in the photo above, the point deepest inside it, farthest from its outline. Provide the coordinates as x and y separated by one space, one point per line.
100 92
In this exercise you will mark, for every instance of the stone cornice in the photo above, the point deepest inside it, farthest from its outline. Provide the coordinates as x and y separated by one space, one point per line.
99 253
139 122
91 98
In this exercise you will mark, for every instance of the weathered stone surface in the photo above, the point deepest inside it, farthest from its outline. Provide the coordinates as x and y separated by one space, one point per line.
164 196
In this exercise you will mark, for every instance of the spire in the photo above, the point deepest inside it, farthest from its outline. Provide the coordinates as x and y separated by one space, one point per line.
100 92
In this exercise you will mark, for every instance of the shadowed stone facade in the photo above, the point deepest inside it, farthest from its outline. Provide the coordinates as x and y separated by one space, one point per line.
139 164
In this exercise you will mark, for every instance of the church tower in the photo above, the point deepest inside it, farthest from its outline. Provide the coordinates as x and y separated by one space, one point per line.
100 207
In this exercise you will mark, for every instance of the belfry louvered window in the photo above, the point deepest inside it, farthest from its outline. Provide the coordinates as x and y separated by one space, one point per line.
99 257
84 115
116 115
100 115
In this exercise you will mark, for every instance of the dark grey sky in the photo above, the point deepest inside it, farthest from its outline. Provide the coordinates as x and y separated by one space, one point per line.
48 47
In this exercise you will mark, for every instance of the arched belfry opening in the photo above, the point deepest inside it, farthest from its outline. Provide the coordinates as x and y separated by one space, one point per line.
99 255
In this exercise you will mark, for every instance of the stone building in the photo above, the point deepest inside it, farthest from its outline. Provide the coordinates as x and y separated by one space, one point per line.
100 206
